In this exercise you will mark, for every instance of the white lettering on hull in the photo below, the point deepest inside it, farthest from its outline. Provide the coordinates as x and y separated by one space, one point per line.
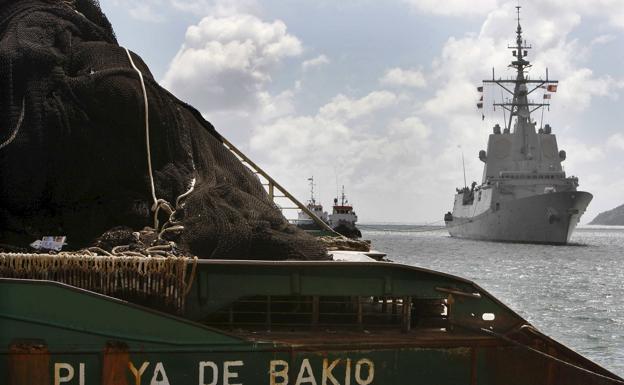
229 373
68 376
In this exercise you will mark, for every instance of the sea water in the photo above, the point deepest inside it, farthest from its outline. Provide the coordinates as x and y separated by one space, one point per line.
572 293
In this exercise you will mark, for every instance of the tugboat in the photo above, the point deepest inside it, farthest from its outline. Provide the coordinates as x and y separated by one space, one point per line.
304 221
343 218
525 195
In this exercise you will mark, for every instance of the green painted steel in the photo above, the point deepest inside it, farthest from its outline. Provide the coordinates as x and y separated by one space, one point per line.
51 333
59 314
221 282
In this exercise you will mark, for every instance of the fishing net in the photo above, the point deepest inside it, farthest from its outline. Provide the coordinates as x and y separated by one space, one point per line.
74 151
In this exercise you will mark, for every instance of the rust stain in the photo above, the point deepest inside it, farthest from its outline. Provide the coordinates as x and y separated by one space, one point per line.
473 365
552 367
29 364
115 364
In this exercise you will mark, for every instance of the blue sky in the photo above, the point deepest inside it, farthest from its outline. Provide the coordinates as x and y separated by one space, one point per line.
379 95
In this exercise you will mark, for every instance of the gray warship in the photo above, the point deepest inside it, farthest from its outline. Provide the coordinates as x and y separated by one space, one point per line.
524 195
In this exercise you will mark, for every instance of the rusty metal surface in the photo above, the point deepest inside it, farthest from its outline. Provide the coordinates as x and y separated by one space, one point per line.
115 364
28 363
363 340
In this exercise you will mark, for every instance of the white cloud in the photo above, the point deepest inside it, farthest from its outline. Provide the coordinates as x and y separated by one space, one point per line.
225 61
145 12
343 108
616 141
602 39
581 86
381 144
273 107
453 7
316 62
411 126
216 7
579 154
400 77
464 61
610 10
340 143
148 10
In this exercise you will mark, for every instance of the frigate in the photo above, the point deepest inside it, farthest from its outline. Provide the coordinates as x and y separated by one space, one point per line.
524 195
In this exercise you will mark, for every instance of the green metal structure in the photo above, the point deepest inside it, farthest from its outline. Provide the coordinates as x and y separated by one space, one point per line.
254 322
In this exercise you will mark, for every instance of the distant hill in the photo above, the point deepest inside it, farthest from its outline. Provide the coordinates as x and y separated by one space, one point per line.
613 217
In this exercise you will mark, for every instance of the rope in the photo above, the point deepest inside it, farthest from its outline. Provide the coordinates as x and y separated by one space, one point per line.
191 279
147 130
159 204
17 127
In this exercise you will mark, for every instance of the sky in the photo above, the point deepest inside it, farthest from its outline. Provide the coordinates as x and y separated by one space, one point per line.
380 96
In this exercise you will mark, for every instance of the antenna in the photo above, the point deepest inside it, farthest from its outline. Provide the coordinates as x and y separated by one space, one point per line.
504 110
336 177
311 179
463 165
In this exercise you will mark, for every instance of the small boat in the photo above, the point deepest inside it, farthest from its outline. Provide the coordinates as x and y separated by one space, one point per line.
343 218
304 221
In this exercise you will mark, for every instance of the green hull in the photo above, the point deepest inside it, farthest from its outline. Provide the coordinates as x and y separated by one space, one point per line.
282 323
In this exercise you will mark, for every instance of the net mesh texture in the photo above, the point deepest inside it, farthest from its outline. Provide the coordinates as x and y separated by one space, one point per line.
73 157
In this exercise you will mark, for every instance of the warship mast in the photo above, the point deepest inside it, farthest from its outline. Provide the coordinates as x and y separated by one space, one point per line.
520 106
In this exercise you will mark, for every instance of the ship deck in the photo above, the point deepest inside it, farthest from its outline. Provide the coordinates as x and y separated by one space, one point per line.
335 340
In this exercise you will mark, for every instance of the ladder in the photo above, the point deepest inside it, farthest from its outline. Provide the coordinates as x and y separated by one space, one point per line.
272 187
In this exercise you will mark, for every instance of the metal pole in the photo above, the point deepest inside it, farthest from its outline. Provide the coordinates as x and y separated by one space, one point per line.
463 166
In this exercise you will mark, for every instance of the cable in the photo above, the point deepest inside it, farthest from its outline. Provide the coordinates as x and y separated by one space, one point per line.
147 131
17 126
158 203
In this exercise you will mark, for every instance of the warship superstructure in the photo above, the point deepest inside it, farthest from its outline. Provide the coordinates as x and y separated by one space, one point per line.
524 195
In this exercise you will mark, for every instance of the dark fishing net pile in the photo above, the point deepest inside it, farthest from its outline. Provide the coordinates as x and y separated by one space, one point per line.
74 160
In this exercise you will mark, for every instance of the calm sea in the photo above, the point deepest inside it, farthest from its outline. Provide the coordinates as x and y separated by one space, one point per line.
573 293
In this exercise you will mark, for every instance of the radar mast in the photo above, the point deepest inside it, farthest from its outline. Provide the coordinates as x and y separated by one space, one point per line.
519 105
